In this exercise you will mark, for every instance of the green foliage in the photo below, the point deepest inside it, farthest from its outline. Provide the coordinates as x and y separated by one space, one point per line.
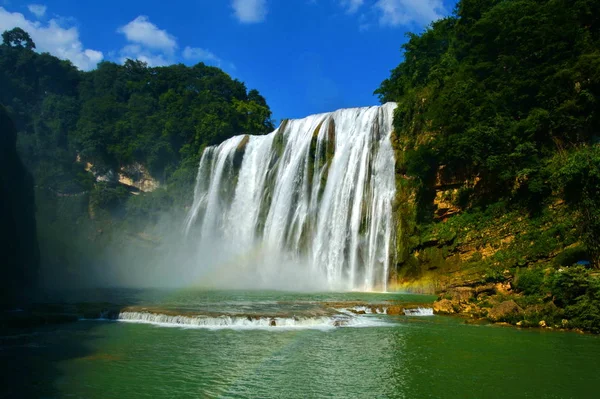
494 275
117 115
109 197
585 313
529 281
571 255
579 293
570 284
17 37
503 96
577 176
161 117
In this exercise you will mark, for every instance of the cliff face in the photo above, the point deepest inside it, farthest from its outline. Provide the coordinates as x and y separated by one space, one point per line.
18 238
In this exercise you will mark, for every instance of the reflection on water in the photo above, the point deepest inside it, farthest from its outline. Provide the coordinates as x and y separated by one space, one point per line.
418 357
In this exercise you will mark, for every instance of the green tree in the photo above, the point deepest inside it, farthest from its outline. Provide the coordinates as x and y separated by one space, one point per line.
577 176
17 37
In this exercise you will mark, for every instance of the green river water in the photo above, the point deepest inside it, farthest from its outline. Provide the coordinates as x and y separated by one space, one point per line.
379 356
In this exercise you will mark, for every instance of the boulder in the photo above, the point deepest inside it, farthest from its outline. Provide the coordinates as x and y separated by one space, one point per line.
443 306
485 289
503 289
504 310
462 294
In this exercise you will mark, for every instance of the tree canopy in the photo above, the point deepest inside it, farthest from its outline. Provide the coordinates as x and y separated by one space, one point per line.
116 115
494 93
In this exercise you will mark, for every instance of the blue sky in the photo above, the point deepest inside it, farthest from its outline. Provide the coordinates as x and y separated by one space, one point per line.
304 56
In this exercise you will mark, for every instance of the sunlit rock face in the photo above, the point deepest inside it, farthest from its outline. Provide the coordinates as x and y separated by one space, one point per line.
316 194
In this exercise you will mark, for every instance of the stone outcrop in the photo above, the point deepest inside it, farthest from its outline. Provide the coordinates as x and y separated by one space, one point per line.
444 306
136 175
504 310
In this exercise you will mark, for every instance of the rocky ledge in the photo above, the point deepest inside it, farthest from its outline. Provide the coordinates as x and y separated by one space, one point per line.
496 303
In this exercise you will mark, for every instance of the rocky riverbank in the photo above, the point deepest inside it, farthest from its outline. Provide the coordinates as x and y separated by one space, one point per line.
502 303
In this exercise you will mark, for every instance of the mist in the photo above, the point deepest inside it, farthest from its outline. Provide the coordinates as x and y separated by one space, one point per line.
163 256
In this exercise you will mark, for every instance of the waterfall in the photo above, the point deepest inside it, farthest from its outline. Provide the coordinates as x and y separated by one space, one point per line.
315 194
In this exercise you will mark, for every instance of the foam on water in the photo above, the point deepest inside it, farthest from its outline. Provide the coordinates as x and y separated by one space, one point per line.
251 323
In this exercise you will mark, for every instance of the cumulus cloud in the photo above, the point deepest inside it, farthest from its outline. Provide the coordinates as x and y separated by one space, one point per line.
147 43
406 12
53 38
200 54
351 6
145 33
250 11
197 54
138 52
39 10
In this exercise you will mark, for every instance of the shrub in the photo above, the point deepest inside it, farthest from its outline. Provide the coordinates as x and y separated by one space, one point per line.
569 284
570 256
529 281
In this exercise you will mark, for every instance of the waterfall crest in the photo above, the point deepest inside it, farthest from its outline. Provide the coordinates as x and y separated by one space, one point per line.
315 194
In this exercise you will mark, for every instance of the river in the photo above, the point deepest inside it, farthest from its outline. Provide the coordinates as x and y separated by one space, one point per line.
367 356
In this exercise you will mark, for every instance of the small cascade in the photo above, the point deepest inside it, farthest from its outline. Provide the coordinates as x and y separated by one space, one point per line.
249 322
316 194
419 312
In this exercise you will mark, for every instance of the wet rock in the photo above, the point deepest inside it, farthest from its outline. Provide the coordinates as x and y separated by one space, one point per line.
240 150
444 306
504 310
395 310
273 323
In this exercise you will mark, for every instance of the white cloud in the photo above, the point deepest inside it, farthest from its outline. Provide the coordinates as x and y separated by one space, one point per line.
51 37
200 54
405 12
144 32
147 43
197 54
137 52
250 11
351 6
39 10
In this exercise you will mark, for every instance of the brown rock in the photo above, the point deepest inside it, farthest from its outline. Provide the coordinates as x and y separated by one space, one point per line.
462 294
485 289
395 310
504 310
502 288
443 306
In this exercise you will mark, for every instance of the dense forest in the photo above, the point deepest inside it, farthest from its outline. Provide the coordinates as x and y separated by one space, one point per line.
118 115
88 137
497 138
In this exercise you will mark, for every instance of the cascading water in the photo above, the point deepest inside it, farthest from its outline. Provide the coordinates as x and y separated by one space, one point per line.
316 193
